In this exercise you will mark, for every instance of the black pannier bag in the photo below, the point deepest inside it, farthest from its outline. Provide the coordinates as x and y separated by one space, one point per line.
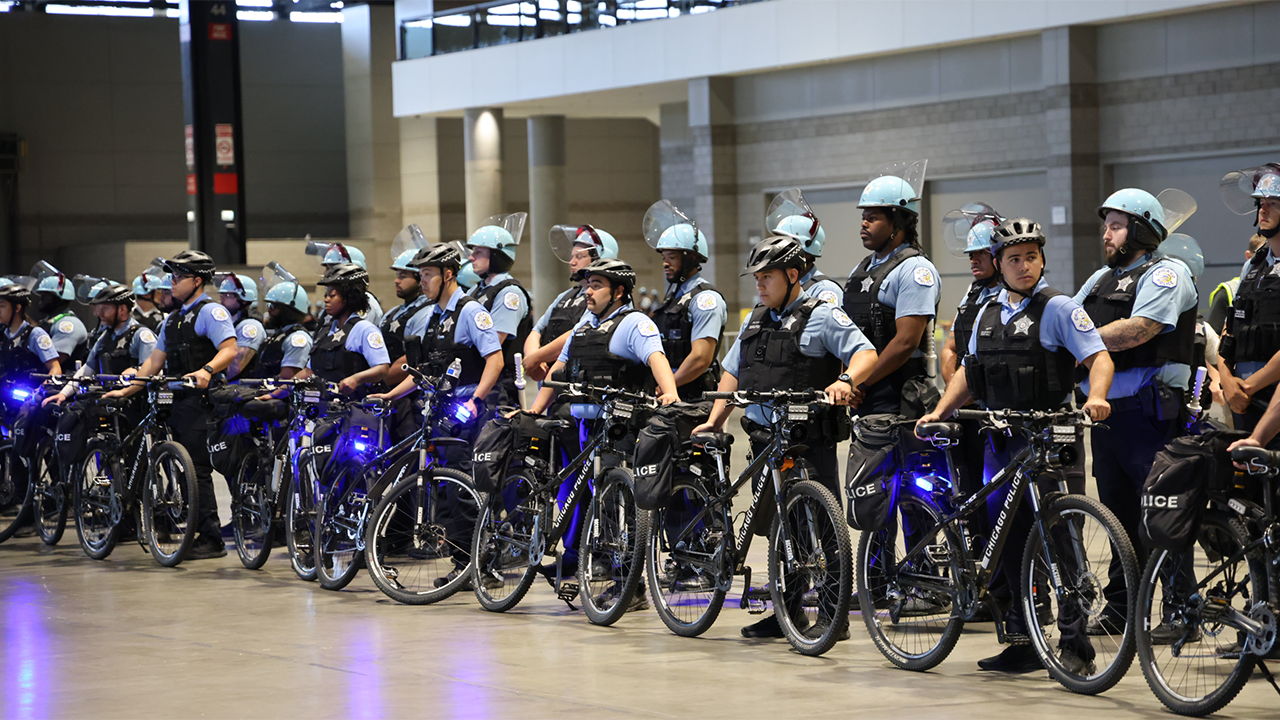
1176 492
658 445
72 433
227 437
324 440
29 428
504 442
870 473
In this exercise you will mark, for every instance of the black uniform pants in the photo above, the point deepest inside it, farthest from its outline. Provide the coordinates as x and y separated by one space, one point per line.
187 421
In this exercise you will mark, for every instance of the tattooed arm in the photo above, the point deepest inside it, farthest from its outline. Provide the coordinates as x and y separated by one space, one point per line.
1129 333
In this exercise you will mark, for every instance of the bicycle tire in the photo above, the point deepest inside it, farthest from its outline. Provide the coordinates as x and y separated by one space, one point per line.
15 492
508 543
98 507
395 535
1219 535
341 508
613 536
894 610
299 521
685 596
819 543
170 504
1068 513
252 510
48 495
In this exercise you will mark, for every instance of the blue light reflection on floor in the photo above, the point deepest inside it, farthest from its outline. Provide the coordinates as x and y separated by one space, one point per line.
365 683
26 646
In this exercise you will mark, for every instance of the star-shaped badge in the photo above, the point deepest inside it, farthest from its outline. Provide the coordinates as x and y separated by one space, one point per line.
789 323
1275 269
1124 283
867 283
395 325
1022 325
448 323
337 337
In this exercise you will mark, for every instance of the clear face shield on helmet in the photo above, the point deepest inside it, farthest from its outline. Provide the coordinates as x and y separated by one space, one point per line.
87 286
320 253
1178 206
275 275
957 225
911 171
787 204
1242 189
564 239
659 217
153 278
410 238
50 279
1185 249
511 222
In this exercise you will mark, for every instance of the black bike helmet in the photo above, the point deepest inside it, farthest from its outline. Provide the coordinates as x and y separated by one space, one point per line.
113 293
345 274
441 255
191 262
613 270
777 251
17 293
1015 231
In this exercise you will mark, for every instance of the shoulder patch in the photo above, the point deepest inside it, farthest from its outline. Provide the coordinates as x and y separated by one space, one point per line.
841 317
923 276
298 340
375 340
484 321
66 326
1081 320
220 314
828 296
707 301
146 335
1164 277
45 342
647 328
511 301
249 331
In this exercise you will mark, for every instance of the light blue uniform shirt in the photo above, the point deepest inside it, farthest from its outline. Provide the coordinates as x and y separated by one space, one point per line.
140 348
39 343
826 289
635 340
374 313
297 349
250 333
402 311
829 330
1165 291
509 307
707 311
67 333
910 289
543 321
365 338
475 328
213 322
1244 369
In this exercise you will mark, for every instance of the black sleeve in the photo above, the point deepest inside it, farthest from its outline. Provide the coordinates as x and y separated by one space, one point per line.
1218 311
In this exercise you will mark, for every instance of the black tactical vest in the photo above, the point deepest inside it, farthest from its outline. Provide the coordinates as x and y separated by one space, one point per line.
1254 320
675 325
16 360
394 322
270 357
1011 369
514 343
114 354
590 360
330 358
80 352
814 279
875 319
966 316
186 351
436 349
150 320
565 314
1112 298
770 353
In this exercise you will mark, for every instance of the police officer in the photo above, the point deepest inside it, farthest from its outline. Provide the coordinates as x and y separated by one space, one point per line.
892 295
1224 293
198 341
338 254
1252 334
790 215
146 308
493 250
124 343
394 323
978 222
1145 310
793 342
27 348
351 351
579 246
1022 355
238 293
287 348
54 293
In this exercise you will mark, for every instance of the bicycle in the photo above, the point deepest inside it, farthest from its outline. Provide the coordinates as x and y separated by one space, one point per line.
16 489
926 573
417 545
1202 638
50 496
695 549
520 525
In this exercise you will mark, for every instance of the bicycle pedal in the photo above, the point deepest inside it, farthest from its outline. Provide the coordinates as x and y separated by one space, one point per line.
755 606
390 573
567 591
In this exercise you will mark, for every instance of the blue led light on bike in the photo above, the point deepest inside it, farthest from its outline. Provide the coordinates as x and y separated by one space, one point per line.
924 484
360 446
20 393
462 413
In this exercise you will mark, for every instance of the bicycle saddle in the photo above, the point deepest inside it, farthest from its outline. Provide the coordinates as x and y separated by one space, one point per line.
720 440
446 441
552 424
950 431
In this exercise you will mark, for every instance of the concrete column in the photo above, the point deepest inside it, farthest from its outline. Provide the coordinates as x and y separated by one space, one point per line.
715 178
1075 176
548 205
482 147
420 174
373 133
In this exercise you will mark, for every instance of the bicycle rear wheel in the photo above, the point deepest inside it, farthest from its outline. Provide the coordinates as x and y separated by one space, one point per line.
680 555
252 509
300 521
98 507
48 495
341 509
170 504
418 534
811 582
508 543
610 556
1065 589
15 492
1195 665
909 608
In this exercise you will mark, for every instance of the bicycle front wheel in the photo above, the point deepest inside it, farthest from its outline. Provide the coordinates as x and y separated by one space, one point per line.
418 535
1065 583
688 563
97 505
341 509
48 495
1196 665
508 543
909 607
170 504
15 492
300 521
609 557
251 511
811 581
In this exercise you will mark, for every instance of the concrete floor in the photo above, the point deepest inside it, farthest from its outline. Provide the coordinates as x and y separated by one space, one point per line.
126 638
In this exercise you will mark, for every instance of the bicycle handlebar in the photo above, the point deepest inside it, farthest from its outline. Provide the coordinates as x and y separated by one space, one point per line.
1003 417
1260 461
752 397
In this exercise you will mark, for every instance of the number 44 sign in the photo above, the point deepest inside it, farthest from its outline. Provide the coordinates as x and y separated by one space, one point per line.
224 144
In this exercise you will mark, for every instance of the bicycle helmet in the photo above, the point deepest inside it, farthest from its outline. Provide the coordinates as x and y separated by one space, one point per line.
14 292
778 251
1016 231
113 293
440 255
191 262
615 271
345 274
